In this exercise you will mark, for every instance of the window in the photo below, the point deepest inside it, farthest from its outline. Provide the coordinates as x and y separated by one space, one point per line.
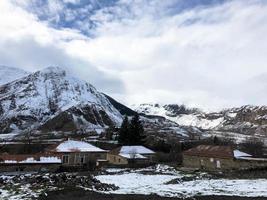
201 164
79 158
82 159
218 164
119 160
65 159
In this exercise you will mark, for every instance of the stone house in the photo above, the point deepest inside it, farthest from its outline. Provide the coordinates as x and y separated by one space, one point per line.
131 155
78 153
28 163
211 157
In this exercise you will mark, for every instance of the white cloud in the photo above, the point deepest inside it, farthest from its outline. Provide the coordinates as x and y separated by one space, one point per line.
30 44
211 56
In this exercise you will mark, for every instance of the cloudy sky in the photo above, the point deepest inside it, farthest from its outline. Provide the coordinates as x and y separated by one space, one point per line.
206 53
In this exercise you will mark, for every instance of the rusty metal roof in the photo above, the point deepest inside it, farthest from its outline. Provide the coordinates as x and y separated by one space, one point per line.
211 151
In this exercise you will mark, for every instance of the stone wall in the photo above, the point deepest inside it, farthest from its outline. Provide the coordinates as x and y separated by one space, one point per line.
11 167
251 164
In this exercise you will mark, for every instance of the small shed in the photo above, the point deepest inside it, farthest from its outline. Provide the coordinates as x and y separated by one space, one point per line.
126 155
78 153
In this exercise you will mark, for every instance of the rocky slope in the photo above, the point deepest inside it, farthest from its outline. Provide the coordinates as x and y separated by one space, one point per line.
236 123
182 115
52 99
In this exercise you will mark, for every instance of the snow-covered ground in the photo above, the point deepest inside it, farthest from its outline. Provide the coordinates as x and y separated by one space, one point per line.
140 182
18 191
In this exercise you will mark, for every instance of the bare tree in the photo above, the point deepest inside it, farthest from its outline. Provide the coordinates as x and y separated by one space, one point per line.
27 138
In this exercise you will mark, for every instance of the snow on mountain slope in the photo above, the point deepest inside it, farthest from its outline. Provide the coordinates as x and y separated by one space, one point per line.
8 74
180 114
52 99
238 124
195 120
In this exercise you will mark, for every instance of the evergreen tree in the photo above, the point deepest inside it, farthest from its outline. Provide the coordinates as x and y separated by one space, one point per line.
124 131
136 131
216 140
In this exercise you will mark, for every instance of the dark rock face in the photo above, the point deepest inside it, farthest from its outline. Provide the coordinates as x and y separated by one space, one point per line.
248 120
76 118
175 109
124 110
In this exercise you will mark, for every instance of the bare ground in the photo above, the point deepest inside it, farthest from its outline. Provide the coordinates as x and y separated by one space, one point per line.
80 194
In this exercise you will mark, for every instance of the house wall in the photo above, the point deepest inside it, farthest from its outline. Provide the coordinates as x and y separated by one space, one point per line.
151 157
119 160
211 163
81 158
11 167
116 159
250 164
208 163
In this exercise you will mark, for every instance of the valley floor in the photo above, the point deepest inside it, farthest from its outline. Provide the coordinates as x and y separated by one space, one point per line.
160 182
166 181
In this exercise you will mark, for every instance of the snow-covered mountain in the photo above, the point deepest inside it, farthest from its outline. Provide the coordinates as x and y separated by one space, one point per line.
52 99
236 123
182 115
8 74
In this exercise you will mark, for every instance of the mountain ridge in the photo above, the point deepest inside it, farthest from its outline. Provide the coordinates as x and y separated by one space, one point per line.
236 123
43 95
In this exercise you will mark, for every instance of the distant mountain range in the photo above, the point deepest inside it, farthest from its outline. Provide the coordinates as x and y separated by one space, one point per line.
236 123
52 100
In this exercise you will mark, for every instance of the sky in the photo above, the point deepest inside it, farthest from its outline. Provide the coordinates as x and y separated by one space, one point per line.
210 54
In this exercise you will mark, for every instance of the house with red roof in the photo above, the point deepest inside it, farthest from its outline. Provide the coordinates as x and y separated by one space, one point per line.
211 157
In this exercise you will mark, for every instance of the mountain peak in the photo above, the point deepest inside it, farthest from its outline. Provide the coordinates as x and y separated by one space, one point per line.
53 70
8 74
55 97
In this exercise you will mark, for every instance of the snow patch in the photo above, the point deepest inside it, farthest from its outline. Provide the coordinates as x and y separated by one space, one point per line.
72 145
135 149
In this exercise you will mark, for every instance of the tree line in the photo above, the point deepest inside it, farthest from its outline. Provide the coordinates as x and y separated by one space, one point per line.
131 132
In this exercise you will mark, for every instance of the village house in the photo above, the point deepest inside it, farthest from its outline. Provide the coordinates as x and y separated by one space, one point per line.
28 163
211 157
78 153
131 155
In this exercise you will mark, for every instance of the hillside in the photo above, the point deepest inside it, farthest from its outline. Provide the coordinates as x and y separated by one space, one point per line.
235 123
52 99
